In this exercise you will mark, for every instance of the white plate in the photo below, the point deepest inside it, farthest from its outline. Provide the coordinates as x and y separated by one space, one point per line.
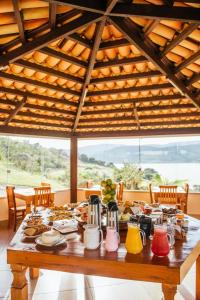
65 229
59 242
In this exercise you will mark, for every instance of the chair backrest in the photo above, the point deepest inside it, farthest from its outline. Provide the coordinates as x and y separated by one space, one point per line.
11 197
45 184
151 193
168 194
88 193
120 190
42 196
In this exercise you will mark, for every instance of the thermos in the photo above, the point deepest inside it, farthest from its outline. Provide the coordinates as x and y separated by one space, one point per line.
146 225
94 211
112 215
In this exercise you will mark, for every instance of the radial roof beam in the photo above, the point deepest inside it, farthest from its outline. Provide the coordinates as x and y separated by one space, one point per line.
98 35
42 41
185 14
15 111
19 19
144 44
52 15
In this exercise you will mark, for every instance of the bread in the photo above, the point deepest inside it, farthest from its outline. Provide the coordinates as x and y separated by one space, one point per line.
30 231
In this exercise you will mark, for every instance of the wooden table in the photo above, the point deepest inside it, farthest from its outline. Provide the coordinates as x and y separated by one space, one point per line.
28 195
170 271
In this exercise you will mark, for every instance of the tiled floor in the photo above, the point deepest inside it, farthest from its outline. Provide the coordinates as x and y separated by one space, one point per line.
53 285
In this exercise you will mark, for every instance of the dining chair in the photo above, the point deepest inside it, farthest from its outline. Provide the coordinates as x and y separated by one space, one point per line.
184 201
151 193
45 184
91 192
119 192
168 195
43 197
15 213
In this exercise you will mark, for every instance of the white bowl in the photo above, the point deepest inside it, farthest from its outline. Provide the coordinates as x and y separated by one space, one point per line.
50 237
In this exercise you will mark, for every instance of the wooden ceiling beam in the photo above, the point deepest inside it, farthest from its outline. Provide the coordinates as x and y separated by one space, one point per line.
40 123
59 32
144 44
15 111
19 19
193 79
52 15
141 124
142 117
131 89
113 44
139 133
97 6
63 56
125 77
34 132
37 96
39 83
151 26
139 109
120 62
178 13
98 35
179 38
44 27
188 61
133 100
47 70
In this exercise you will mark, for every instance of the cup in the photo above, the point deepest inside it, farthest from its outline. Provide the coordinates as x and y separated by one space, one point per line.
92 237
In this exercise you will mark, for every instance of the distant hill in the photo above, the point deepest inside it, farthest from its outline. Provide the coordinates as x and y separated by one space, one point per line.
184 152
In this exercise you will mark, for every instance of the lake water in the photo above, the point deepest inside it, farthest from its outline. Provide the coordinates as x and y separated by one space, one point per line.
189 172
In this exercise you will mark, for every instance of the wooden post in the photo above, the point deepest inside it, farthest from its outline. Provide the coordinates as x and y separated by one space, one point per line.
73 169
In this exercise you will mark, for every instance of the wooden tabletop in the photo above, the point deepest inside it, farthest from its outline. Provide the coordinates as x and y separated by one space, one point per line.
73 257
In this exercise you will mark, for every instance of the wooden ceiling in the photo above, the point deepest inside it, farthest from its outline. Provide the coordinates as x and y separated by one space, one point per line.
99 67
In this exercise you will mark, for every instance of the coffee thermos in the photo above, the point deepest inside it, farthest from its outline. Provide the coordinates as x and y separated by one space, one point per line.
94 211
112 215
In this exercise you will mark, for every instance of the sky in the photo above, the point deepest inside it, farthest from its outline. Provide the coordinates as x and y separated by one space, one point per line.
65 144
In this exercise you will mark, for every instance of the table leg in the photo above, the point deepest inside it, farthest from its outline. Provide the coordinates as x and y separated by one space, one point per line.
28 207
169 291
34 273
198 278
19 289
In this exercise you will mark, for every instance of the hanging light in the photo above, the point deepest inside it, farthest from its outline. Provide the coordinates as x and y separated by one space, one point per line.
139 155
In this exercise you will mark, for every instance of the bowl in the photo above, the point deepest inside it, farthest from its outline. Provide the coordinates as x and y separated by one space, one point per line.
50 237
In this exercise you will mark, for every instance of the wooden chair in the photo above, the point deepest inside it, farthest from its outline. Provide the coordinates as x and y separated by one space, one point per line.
120 190
168 195
184 203
15 213
43 197
45 184
91 192
151 193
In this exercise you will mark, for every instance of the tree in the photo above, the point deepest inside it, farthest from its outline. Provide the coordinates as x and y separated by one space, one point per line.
83 157
131 175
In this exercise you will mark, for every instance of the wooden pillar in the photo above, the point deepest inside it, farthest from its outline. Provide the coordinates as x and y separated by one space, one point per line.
73 169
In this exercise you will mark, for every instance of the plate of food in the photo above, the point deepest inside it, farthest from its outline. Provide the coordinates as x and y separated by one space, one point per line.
34 221
50 238
33 232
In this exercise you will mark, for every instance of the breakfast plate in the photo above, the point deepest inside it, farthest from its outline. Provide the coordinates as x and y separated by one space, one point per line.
58 242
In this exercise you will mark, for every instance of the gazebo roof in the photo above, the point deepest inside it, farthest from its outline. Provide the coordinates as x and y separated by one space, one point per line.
99 68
